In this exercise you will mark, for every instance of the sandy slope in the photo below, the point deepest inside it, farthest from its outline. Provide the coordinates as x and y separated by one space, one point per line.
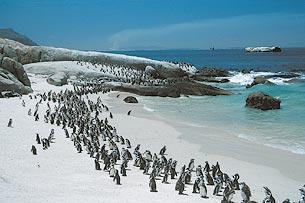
60 174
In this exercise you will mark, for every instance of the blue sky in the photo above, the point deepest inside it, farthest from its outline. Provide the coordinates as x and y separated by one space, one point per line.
157 24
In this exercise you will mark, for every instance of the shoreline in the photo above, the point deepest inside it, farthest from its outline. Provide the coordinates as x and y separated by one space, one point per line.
273 166
69 171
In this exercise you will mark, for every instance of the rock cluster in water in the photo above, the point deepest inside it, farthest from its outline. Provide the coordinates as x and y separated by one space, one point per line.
262 101
130 99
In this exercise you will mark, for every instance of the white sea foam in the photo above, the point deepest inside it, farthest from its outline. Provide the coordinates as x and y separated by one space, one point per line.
246 78
279 81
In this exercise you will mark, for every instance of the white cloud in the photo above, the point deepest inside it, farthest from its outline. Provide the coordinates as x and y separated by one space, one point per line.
254 30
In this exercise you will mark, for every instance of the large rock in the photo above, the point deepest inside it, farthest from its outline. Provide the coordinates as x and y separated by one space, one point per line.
58 79
262 101
174 90
32 54
16 69
213 72
209 79
8 82
130 99
260 80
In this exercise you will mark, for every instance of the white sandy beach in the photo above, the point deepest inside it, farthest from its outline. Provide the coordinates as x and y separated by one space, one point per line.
60 174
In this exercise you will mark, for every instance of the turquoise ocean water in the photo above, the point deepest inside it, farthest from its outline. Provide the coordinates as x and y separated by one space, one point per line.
283 129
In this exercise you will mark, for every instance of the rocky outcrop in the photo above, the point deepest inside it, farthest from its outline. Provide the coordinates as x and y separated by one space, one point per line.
213 72
32 54
260 80
13 77
8 82
16 69
130 99
58 79
209 79
262 101
174 90
263 49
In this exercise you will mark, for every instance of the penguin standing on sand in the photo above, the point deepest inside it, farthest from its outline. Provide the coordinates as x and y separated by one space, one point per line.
228 193
180 186
10 123
191 165
245 192
79 148
203 189
162 151
209 178
235 181
302 190
37 138
165 177
152 184
117 177
33 150
97 165
112 171
196 185
217 187
128 113
173 170
269 198
127 143
123 170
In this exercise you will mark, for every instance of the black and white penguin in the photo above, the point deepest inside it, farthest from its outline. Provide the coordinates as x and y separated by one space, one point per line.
228 193
137 147
33 150
180 186
217 187
152 184
191 165
245 192
162 151
37 138
235 181
203 189
117 177
123 170
112 171
173 170
10 123
196 185
302 190
128 113
209 178
97 165
128 145
269 198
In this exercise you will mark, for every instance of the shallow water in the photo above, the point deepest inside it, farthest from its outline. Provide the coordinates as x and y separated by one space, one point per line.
227 115
283 129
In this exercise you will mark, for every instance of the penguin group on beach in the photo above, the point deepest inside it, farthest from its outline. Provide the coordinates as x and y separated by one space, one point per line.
80 119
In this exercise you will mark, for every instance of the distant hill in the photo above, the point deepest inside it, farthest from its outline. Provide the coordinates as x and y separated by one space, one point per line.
13 35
